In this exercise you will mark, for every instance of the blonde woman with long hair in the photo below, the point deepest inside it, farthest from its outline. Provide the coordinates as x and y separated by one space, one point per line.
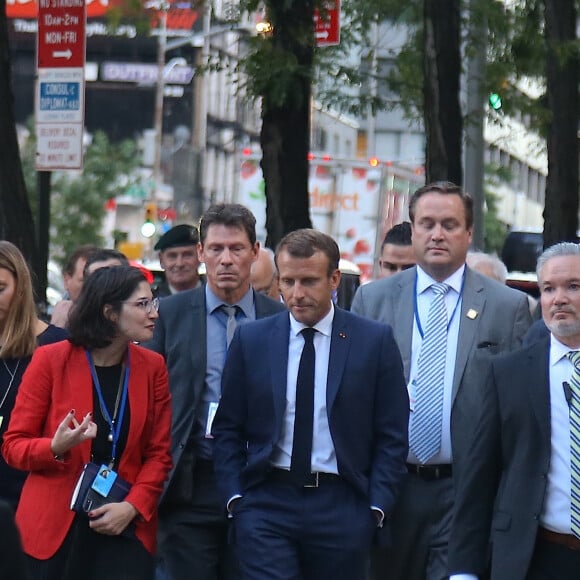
21 331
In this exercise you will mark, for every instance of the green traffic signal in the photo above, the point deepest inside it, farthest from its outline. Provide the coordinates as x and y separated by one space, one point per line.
495 101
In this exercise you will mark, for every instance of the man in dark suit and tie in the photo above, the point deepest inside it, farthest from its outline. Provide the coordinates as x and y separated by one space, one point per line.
311 430
192 333
520 499
448 321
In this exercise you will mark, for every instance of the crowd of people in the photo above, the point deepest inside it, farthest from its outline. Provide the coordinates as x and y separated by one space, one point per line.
242 426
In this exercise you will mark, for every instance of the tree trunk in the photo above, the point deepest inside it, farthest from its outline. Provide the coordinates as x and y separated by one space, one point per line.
16 221
442 110
285 133
561 205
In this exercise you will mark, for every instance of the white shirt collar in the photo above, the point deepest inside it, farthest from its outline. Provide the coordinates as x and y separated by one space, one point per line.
558 350
424 281
324 326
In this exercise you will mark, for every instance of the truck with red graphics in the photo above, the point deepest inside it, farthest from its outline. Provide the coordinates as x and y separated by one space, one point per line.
355 202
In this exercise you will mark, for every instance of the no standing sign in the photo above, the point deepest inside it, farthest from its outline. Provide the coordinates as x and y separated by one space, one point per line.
327 24
60 86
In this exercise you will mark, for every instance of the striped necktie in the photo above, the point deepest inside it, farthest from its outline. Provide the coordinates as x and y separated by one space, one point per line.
426 424
574 356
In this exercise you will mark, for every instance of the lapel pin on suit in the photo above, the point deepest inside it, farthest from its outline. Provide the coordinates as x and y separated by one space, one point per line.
342 335
472 314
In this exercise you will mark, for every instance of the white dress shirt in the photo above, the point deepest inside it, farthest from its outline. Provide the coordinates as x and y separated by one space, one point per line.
424 298
556 513
323 453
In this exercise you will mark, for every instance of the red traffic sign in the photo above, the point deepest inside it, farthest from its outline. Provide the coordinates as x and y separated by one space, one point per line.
327 24
61 34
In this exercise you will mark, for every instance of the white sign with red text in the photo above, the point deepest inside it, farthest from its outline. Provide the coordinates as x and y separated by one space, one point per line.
60 85
59 146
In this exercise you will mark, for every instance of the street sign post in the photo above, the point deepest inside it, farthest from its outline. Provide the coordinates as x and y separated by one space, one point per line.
327 24
60 85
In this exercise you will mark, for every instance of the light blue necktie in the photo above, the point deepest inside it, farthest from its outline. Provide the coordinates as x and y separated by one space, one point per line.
574 356
426 424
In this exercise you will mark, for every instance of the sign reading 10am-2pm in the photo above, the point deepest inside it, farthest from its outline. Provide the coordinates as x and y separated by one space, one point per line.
60 86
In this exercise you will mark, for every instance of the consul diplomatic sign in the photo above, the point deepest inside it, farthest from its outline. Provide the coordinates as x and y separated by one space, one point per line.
60 84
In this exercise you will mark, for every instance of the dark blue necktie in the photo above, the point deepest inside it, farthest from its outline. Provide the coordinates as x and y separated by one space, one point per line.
304 415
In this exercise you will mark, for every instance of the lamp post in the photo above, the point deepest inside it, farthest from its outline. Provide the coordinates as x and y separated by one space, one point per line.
201 41
371 120
160 88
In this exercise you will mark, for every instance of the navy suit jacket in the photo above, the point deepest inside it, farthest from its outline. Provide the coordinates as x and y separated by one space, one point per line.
180 336
366 400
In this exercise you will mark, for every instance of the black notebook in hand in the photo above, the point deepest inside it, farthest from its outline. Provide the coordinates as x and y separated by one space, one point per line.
85 499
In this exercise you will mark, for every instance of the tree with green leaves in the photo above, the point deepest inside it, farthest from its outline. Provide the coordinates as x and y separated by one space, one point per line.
78 199
16 221
280 71
281 67
529 39
283 64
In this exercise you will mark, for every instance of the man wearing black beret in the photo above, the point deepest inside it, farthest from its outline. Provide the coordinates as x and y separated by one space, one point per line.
178 257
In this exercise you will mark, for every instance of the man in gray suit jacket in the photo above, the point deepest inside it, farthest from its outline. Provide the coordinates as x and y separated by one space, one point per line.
518 495
483 318
192 333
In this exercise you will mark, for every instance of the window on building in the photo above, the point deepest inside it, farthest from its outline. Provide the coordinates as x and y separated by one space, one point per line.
542 188
319 139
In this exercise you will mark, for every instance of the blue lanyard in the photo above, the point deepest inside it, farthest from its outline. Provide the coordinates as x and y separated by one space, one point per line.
114 427
416 308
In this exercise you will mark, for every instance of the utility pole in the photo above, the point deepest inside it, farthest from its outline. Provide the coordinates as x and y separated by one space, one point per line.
371 121
160 89
473 175
199 133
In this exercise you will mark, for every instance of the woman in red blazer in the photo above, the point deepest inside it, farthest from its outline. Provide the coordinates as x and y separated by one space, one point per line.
96 397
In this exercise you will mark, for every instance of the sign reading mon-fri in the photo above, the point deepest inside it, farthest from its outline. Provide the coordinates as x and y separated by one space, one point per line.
60 85
327 24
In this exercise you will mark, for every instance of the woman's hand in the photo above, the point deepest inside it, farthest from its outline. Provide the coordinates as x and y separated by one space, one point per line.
70 433
112 518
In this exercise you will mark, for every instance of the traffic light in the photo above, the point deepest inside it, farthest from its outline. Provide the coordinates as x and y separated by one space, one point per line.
148 228
495 101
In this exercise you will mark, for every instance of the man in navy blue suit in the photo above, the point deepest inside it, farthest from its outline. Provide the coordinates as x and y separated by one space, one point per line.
311 430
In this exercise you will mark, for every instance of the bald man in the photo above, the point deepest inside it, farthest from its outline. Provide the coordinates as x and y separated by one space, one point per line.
264 275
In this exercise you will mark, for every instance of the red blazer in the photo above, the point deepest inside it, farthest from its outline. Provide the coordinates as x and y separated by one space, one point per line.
57 380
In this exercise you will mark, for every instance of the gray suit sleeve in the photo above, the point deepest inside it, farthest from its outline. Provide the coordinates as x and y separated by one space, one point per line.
357 305
472 513
523 321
